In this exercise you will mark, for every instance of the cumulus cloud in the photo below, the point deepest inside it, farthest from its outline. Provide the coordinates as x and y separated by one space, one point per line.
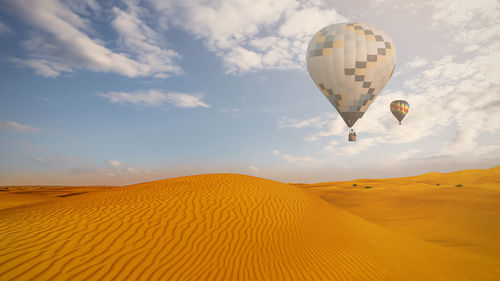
463 12
416 62
136 37
156 98
475 23
252 35
457 93
17 127
62 40
241 59
470 81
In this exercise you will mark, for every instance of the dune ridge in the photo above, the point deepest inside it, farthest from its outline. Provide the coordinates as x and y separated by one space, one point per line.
214 227
457 210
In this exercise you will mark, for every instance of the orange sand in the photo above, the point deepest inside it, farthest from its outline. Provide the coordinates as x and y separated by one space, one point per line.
465 218
228 227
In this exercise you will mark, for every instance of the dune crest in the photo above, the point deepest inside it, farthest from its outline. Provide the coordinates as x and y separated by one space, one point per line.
213 227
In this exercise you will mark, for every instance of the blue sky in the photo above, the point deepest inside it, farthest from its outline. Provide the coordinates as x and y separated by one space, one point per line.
117 92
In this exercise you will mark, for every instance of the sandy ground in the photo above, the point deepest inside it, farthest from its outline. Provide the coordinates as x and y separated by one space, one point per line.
463 217
236 227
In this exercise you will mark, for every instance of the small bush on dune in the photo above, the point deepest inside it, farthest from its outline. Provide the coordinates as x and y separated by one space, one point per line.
459 185
354 184
368 186
438 184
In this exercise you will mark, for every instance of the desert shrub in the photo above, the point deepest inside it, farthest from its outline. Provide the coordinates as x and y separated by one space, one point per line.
438 184
354 184
368 186
459 185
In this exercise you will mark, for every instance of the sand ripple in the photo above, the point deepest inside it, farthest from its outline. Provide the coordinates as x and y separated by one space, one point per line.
211 227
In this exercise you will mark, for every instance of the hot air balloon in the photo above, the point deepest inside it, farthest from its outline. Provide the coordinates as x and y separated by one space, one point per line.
350 63
399 109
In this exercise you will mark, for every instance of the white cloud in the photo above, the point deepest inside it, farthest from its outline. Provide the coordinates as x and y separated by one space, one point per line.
332 146
416 62
330 124
17 127
223 24
335 127
138 38
405 155
241 59
43 67
317 122
351 148
488 150
150 98
302 21
63 41
253 170
378 126
458 92
294 159
84 7
465 12
185 100
132 170
474 23
252 35
155 98
114 163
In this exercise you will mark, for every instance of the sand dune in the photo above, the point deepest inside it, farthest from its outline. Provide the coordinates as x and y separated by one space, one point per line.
215 227
465 218
9 195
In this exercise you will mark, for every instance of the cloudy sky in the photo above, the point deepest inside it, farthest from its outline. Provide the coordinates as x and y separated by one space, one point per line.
118 92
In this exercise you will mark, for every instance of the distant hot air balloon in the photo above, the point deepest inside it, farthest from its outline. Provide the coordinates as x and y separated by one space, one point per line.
350 63
399 109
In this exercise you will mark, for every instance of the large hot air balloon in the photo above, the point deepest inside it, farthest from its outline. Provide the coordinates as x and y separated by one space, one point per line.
351 63
399 109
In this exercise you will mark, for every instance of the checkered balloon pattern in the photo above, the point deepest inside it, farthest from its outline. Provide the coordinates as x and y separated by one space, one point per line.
350 63
399 109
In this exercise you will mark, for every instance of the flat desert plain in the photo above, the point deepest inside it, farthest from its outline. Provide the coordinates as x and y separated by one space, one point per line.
237 227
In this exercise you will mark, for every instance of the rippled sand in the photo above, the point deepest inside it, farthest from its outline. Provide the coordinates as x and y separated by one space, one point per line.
219 227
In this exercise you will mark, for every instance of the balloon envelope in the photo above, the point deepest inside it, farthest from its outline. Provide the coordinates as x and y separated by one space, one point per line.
350 63
399 109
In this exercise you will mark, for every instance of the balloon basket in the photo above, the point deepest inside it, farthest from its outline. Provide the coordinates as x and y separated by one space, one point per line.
352 135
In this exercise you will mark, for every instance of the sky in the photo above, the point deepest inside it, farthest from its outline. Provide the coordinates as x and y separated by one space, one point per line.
118 92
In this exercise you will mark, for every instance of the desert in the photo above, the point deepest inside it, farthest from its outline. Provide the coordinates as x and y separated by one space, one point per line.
238 227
